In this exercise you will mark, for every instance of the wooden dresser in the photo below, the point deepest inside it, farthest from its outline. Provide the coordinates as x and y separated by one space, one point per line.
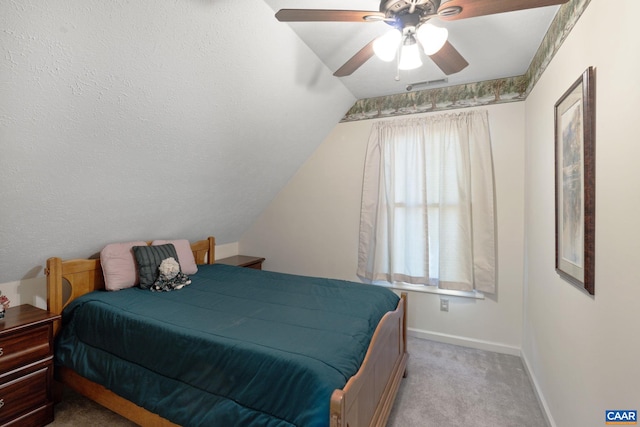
242 261
26 367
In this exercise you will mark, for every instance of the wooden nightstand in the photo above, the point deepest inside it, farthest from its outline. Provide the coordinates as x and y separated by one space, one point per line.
242 261
26 366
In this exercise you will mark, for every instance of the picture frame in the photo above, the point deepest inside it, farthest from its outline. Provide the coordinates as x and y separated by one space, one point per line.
575 182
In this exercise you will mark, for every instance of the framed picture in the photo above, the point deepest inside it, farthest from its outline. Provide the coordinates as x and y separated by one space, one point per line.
575 182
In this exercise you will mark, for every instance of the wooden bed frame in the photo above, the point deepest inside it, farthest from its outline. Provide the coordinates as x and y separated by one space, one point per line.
366 399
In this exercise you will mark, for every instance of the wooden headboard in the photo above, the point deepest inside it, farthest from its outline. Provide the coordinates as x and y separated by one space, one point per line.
85 275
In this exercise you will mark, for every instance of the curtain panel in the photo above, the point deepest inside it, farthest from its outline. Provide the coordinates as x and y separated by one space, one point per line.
427 212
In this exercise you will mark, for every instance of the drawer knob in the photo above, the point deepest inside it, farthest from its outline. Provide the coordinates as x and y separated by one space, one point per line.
1 352
1 403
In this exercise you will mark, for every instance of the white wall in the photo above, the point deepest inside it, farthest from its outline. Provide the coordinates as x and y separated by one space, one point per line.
311 228
129 120
584 351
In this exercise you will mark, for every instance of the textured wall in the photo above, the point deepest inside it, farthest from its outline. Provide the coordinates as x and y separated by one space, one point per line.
146 119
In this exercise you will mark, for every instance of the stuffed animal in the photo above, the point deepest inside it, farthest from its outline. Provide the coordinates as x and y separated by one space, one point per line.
170 277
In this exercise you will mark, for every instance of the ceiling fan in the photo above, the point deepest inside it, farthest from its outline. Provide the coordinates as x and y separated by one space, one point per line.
412 29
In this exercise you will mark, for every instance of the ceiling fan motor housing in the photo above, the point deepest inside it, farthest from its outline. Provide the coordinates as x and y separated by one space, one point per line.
392 8
408 13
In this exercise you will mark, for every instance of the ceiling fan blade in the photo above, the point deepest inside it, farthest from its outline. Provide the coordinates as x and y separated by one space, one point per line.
356 61
449 60
471 8
318 15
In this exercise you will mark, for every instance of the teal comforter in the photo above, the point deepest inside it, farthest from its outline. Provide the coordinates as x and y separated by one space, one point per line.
237 347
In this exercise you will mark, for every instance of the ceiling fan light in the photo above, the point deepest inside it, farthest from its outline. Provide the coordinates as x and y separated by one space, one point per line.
385 46
432 38
410 57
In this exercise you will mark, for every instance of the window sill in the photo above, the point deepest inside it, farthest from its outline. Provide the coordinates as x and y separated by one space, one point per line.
430 290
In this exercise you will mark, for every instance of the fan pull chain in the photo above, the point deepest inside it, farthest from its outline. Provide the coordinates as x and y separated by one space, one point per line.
397 77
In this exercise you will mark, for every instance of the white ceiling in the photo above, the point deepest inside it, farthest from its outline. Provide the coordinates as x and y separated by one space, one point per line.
142 120
495 46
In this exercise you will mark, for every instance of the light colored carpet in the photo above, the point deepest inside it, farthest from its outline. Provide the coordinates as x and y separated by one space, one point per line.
76 410
446 385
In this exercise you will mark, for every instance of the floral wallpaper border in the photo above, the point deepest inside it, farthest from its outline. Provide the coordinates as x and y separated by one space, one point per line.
510 89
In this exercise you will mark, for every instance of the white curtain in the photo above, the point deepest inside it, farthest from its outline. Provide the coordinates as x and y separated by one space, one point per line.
427 214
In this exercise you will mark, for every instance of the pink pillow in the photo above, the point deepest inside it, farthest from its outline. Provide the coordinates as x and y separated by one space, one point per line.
119 265
185 255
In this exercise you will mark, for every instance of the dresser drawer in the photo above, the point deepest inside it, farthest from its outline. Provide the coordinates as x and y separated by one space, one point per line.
25 346
20 395
37 418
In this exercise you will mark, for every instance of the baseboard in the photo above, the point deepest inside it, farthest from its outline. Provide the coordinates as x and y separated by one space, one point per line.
465 342
536 389
490 346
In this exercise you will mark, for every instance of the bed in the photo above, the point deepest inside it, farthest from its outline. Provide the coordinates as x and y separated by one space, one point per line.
349 380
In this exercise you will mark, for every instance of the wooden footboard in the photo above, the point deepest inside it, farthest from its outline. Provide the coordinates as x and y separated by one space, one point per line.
366 399
368 396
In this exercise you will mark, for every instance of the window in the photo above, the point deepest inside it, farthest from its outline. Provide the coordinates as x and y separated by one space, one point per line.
427 213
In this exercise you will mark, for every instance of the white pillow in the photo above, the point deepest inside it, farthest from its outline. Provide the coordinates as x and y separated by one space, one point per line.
185 255
119 265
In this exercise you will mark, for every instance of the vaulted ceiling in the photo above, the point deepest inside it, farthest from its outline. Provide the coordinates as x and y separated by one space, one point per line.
124 120
127 120
496 46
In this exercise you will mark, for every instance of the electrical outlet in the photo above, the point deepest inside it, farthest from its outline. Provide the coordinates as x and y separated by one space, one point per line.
444 304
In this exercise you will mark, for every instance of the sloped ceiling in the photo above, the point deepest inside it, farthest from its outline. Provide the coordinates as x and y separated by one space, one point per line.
496 46
127 120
